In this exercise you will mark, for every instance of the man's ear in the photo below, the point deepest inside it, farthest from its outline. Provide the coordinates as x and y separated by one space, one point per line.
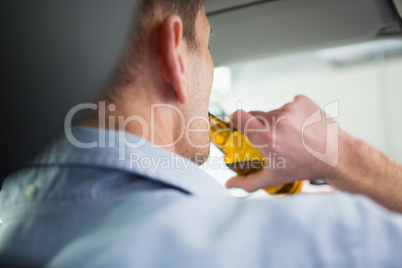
171 56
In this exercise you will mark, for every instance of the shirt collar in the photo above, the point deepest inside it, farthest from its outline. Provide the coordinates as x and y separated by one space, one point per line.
123 151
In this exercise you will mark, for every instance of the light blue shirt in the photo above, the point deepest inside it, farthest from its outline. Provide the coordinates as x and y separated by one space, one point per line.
116 206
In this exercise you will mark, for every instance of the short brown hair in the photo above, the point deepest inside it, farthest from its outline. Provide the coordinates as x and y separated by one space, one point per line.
186 9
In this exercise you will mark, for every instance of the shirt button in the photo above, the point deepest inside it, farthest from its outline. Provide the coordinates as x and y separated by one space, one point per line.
30 191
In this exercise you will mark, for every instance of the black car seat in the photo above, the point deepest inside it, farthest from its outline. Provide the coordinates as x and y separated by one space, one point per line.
53 56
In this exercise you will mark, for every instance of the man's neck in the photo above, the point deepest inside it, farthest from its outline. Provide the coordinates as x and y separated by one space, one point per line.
141 115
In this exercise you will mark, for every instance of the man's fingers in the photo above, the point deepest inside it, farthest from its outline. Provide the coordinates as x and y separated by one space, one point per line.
266 114
258 113
241 118
267 119
250 183
256 128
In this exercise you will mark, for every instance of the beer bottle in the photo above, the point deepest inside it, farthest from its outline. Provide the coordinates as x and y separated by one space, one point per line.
241 156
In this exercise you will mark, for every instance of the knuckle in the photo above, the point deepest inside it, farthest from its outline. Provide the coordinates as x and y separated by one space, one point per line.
282 114
236 115
267 137
263 120
300 98
283 117
288 106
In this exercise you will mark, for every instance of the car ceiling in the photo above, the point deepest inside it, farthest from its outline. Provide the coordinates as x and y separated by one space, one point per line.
246 29
214 6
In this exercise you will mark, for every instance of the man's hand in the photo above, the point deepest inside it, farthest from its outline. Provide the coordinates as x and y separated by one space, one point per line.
282 135
312 146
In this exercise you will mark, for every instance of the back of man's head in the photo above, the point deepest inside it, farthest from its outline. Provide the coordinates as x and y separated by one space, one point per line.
167 63
148 12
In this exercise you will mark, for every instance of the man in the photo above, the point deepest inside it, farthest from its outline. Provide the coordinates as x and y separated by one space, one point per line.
119 191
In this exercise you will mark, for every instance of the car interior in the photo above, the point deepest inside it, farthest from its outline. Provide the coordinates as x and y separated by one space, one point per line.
265 52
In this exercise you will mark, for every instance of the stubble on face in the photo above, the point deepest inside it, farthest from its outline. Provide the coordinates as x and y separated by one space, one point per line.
197 145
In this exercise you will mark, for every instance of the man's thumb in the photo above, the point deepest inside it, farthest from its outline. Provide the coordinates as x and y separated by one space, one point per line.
250 183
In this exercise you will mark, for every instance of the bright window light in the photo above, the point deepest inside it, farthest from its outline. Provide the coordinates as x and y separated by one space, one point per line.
222 80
